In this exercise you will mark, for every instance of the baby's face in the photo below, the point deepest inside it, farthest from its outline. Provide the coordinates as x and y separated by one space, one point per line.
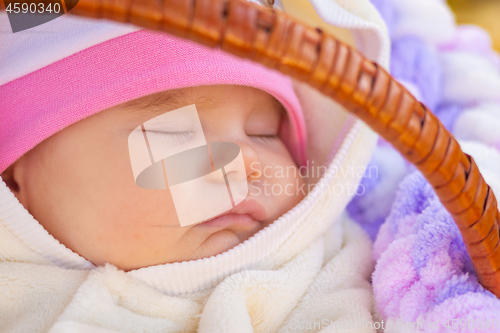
80 186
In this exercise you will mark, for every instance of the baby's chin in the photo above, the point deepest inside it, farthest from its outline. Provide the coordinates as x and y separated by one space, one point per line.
222 241
203 241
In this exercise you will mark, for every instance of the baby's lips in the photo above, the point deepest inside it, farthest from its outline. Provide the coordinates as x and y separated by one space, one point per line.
254 208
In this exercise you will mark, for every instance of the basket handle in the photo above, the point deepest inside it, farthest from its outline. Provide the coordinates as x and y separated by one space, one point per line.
339 71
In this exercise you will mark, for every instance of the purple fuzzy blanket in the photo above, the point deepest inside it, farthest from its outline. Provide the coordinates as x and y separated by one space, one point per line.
423 274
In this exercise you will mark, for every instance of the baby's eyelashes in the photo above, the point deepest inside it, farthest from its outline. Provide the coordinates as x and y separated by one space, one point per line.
263 138
174 137
185 136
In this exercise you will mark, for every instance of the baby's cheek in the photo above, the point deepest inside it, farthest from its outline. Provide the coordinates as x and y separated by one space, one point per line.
293 185
280 183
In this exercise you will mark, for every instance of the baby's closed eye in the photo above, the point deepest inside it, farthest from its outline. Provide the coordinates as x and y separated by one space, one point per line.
263 138
173 137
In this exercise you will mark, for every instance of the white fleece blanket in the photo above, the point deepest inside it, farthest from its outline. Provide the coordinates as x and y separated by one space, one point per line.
324 284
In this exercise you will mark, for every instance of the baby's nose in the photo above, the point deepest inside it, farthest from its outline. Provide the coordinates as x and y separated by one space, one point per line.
252 162
236 158
239 163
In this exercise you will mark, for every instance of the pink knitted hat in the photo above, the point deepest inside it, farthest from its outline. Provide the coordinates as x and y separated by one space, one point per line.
41 102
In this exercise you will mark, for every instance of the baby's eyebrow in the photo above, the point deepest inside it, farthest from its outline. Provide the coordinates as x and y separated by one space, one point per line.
158 102
163 98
